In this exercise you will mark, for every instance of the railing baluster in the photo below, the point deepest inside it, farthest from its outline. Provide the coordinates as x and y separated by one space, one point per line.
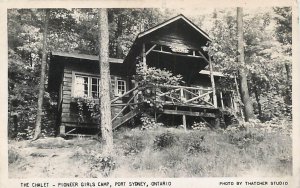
181 95
127 104
126 93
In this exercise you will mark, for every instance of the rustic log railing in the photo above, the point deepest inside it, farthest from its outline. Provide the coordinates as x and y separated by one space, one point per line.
131 103
184 94
164 94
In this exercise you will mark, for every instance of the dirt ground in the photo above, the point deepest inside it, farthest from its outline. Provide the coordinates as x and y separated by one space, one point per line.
51 157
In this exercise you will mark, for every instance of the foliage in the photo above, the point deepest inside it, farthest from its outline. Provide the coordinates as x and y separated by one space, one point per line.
22 87
149 78
151 75
86 109
253 132
165 140
24 43
197 146
243 139
13 155
200 126
211 155
104 165
133 148
133 143
149 123
283 20
267 49
264 56
70 30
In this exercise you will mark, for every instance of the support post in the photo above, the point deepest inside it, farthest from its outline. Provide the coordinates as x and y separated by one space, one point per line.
181 95
222 102
184 122
144 55
212 83
62 130
134 84
232 102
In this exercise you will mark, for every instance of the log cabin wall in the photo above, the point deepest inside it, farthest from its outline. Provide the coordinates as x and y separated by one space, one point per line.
72 67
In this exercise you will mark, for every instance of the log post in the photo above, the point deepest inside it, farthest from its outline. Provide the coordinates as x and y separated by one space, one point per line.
134 84
62 130
181 95
212 83
184 122
222 102
232 101
144 55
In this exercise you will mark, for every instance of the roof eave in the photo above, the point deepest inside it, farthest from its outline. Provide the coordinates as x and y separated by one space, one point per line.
140 35
84 56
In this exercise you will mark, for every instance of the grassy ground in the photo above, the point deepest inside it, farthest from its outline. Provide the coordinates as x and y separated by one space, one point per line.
161 152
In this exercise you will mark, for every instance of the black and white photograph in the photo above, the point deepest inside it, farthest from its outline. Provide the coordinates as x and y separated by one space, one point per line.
150 92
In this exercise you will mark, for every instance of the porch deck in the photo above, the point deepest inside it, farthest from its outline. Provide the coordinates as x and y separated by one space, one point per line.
173 100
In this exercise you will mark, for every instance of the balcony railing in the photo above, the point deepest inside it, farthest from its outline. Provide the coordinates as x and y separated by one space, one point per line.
165 94
170 94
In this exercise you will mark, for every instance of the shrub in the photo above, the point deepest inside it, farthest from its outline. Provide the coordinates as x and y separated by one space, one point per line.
200 126
172 157
86 109
13 156
133 148
152 75
149 123
165 140
194 166
244 138
105 165
197 146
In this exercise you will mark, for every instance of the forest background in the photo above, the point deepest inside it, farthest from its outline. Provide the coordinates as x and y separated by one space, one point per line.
268 54
268 59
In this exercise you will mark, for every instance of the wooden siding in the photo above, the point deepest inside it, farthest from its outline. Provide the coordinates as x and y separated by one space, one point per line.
69 116
177 33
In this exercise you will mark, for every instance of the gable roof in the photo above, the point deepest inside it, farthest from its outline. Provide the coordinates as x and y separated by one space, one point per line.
180 16
166 33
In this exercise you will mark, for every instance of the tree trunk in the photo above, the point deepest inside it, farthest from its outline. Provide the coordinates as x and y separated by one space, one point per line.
119 52
213 86
258 102
105 107
248 108
38 128
288 97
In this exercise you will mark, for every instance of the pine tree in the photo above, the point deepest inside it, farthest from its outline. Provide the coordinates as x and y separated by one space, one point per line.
105 108
38 127
248 108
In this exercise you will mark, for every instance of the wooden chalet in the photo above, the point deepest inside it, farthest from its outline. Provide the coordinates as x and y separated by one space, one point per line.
175 45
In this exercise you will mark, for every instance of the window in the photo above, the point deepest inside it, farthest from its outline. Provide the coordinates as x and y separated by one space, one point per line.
121 87
86 86
95 88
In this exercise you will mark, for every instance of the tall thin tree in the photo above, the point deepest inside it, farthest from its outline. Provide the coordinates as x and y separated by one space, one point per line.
248 108
283 18
104 85
38 126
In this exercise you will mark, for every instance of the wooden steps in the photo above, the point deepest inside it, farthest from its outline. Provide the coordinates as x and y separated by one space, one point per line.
118 122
